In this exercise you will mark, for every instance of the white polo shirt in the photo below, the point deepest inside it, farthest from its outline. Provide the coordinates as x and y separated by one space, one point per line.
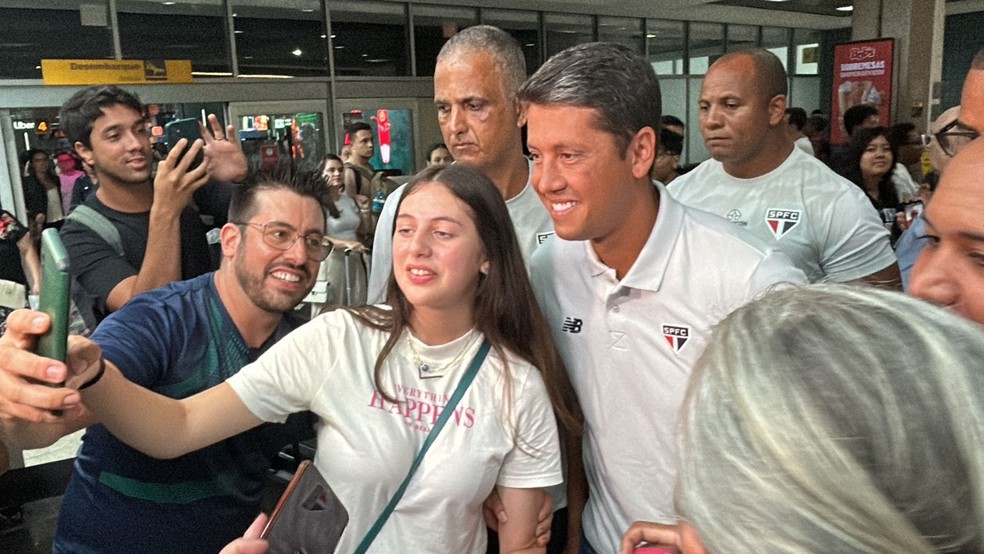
822 221
629 347
529 216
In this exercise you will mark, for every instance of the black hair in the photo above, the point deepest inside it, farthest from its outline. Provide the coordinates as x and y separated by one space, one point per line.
79 113
888 197
670 141
673 120
308 184
797 117
855 115
357 126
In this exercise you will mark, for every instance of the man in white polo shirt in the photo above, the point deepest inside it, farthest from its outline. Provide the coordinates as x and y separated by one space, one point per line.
760 181
633 281
475 82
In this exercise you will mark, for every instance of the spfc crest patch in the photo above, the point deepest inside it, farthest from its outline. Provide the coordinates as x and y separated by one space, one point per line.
676 336
782 221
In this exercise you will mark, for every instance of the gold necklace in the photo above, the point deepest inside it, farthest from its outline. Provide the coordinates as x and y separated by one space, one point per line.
428 371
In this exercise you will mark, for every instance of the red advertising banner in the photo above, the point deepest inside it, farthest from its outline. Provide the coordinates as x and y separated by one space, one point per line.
862 75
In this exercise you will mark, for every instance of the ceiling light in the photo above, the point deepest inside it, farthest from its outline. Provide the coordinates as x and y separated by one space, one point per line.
238 32
324 36
847 8
297 52
307 10
168 3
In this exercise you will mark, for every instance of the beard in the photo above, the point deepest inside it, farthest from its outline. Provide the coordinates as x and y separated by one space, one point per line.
253 283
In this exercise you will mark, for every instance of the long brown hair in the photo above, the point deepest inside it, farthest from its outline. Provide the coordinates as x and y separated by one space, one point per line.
506 310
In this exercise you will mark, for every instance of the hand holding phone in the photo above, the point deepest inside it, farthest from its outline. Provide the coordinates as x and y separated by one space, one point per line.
55 298
185 129
308 518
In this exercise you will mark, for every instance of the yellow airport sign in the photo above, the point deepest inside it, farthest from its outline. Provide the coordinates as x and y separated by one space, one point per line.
115 72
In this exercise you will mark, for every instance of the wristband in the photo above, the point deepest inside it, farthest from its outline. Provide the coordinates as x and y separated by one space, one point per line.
99 374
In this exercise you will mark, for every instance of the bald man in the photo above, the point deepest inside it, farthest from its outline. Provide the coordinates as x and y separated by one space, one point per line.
913 239
759 180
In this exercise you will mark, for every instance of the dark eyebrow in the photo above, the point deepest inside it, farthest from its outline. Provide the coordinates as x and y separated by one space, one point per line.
438 218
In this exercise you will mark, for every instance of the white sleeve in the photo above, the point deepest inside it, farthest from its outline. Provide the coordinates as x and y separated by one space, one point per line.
854 242
534 460
382 249
288 376
775 270
905 187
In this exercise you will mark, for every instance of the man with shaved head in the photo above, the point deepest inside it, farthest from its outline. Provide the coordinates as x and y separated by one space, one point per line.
757 178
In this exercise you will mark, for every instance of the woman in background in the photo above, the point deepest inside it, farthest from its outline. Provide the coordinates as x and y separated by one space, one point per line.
349 226
871 164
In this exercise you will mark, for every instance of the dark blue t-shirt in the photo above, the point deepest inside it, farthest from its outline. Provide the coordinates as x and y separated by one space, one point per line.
177 340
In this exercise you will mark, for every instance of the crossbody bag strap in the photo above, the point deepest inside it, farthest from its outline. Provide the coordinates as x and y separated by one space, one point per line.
466 380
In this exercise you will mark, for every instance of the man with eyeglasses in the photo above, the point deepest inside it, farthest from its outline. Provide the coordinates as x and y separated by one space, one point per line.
949 135
178 340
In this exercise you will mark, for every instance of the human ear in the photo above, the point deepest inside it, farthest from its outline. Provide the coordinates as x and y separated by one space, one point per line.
642 152
777 109
229 237
84 152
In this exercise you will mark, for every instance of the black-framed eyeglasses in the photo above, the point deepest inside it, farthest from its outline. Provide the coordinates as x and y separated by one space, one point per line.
951 138
282 237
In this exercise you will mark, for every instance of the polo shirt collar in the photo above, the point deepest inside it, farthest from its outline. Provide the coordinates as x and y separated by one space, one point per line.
653 262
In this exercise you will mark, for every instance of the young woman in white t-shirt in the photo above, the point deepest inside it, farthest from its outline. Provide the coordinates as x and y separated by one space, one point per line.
378 376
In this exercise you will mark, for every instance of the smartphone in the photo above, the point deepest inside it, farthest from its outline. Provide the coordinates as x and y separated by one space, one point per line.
308 517
187 129
911 209
55 298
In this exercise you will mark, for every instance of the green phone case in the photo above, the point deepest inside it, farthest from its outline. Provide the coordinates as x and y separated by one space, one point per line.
55 297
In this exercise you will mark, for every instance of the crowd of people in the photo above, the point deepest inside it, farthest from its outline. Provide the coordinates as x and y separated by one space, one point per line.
716 359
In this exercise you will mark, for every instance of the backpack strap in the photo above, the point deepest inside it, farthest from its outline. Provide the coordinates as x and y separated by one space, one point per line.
363 177
100 225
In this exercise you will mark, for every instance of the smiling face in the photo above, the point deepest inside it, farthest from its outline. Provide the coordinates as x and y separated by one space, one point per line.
735 114
876 160
120 152
437 253
950 268
478 119
581 174
275 280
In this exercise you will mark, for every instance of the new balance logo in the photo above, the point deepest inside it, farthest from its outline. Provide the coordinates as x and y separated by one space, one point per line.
572 325
676 336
